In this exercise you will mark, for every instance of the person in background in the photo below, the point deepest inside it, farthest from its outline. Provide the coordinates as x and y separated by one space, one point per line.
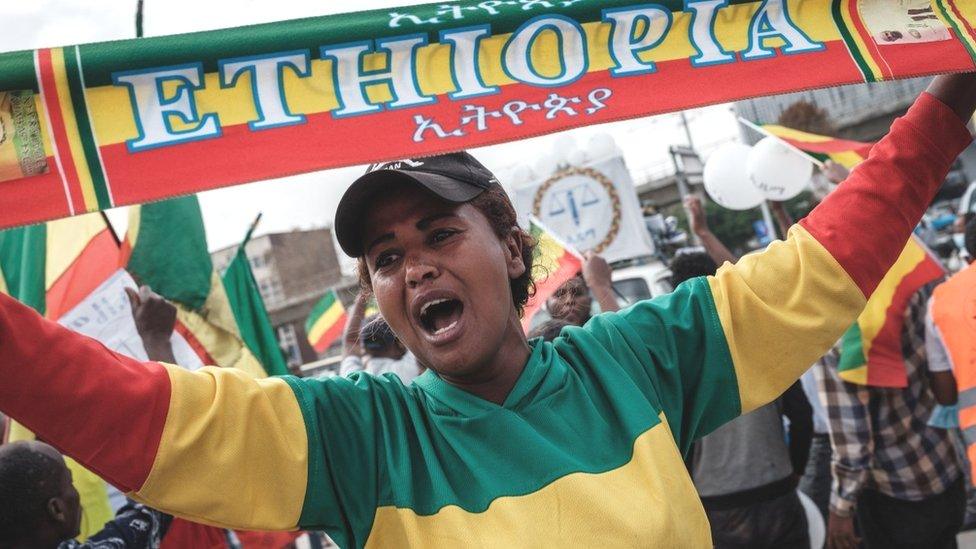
950 331
685 265
549 330
745 472
698 224
816 479
573 301
40 508
370 345
965 214
897 476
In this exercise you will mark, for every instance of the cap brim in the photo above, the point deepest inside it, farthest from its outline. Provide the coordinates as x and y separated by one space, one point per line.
352 207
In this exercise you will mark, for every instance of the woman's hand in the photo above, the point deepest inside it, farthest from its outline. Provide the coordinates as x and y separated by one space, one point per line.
957 91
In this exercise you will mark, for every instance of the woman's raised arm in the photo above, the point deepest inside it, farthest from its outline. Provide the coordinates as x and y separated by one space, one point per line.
782 308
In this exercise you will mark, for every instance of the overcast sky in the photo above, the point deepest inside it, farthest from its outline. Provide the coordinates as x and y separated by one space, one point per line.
309 200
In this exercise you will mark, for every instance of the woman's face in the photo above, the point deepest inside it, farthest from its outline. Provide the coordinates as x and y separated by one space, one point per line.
441 279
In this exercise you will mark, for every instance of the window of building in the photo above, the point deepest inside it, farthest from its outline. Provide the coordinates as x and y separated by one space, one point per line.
288 339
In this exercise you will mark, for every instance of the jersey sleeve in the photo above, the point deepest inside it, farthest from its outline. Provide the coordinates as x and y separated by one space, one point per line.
358 427
783 308
728 344
674 349
215 446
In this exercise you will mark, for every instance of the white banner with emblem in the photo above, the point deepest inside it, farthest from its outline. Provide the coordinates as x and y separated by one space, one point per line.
592 207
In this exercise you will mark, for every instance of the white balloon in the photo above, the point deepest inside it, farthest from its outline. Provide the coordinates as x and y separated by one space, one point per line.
577 158
521 175
779 172
726 181
545 166
563 147
602 145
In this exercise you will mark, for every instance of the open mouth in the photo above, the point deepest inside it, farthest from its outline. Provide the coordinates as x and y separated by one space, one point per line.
440 315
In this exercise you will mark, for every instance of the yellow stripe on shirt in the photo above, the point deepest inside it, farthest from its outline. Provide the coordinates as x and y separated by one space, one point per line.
650 501
233 449
779 321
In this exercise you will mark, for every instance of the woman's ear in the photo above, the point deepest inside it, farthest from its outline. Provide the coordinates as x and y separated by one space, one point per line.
514 244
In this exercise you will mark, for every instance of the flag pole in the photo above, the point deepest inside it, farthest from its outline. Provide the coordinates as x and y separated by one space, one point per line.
758 129
250 229
139 19
111 229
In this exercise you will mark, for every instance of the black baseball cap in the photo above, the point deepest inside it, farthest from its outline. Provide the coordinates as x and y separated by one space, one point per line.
455 177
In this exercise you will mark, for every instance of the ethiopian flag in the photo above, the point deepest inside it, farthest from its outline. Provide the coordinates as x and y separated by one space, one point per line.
871 350
250 313
845 152
165 247
326 322
553 263
55 265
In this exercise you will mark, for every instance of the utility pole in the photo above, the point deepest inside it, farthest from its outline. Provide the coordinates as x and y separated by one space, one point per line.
684 123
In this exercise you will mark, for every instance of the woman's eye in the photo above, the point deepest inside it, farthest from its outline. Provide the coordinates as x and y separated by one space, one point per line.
441 235
385 260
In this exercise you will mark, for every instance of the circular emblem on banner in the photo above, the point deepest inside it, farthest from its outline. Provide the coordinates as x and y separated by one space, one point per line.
582 206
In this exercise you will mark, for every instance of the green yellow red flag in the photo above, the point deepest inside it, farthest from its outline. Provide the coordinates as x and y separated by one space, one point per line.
326 321
871 350
118 123
252 318
165 247
553 263
53 266
845 152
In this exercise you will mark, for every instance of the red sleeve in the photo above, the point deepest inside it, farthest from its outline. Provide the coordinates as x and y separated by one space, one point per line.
103 409
865 223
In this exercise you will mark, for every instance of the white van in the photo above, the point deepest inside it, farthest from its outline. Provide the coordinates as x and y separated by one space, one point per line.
639 282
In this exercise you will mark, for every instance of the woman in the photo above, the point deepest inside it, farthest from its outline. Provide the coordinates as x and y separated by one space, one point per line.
504 441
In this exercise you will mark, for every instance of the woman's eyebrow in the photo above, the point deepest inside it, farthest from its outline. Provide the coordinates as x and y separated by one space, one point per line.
379 240
425 222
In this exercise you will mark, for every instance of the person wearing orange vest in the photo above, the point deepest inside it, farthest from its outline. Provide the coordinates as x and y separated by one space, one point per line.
950 344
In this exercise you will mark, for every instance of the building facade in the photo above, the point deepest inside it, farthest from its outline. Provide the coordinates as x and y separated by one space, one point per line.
293 270
862 112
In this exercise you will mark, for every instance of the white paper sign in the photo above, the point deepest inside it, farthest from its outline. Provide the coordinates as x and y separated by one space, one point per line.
591 207
106 315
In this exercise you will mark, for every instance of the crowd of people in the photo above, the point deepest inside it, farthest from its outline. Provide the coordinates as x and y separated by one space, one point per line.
691 419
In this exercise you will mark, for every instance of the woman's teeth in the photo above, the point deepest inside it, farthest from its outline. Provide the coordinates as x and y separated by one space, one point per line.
445 328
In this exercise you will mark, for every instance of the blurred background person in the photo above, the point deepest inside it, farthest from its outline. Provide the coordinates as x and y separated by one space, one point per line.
573 301
369 345
745 472
40 508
